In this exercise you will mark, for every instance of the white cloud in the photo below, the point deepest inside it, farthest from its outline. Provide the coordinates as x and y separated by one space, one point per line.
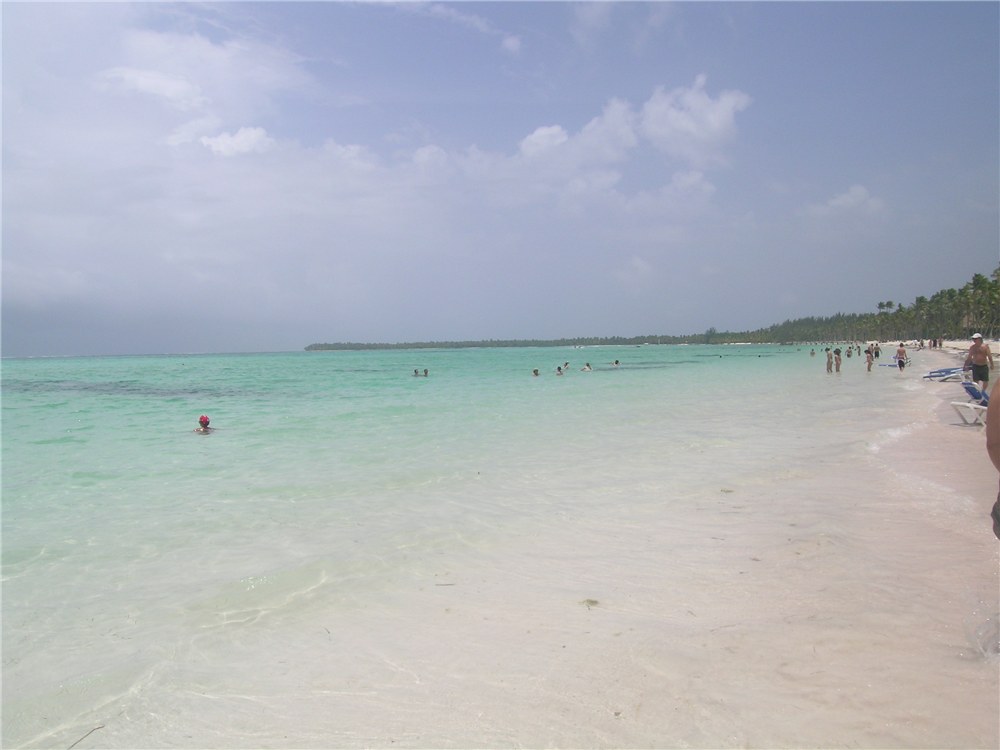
857 200
511 44
635 273
177 91
245 140
687 193
543 139
589 21
689 124
190 131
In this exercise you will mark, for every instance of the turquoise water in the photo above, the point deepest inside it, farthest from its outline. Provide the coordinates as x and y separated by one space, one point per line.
146 568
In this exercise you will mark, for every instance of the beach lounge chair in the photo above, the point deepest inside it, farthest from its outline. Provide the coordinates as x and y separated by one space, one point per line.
947 373
972 413
975 393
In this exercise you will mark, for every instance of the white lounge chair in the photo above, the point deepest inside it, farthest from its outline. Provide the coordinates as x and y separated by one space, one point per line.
973 412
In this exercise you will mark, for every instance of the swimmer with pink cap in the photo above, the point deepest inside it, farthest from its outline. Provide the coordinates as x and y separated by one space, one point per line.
204 428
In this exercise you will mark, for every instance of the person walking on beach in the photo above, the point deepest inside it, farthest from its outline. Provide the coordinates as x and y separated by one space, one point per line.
829 360
901 357
981 359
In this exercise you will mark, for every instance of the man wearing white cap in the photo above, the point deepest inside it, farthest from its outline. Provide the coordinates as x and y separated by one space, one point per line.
978 356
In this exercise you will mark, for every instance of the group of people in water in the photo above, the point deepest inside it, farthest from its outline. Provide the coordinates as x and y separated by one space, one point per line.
564 368
979 358
834 357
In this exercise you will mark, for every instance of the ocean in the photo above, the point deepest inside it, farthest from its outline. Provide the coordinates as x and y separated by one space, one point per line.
687 549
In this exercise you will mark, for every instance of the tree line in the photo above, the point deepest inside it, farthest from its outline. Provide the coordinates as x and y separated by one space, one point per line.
950 314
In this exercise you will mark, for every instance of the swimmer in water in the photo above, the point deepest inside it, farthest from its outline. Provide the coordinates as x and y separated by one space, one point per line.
416 373
586 368
204 429
616 363
558 371
534 372
425 373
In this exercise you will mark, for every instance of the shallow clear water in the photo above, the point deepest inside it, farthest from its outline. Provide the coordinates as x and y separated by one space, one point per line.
339 563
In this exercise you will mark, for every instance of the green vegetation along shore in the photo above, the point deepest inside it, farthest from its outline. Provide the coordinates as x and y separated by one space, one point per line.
951 313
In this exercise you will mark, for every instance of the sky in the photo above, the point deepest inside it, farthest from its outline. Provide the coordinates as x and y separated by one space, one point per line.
244 177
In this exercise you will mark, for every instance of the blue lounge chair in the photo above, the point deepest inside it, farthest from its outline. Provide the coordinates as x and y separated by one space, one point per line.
947 373
975 394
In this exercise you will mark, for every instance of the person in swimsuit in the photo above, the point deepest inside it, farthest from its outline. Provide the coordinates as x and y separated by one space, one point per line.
981 360
836 359
870 358
534 372
829 360
558 371
203 427
901 356
586 368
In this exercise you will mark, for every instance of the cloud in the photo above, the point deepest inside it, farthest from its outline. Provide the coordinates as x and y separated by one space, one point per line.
857 200
510 43
327 231
635 273
590 19
190 131
689 124
543 139
245 140
175 90
208 82
606 139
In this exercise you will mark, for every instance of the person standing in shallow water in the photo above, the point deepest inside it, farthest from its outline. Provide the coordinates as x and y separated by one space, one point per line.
981 359
836 359
901 356
869 357
829 360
